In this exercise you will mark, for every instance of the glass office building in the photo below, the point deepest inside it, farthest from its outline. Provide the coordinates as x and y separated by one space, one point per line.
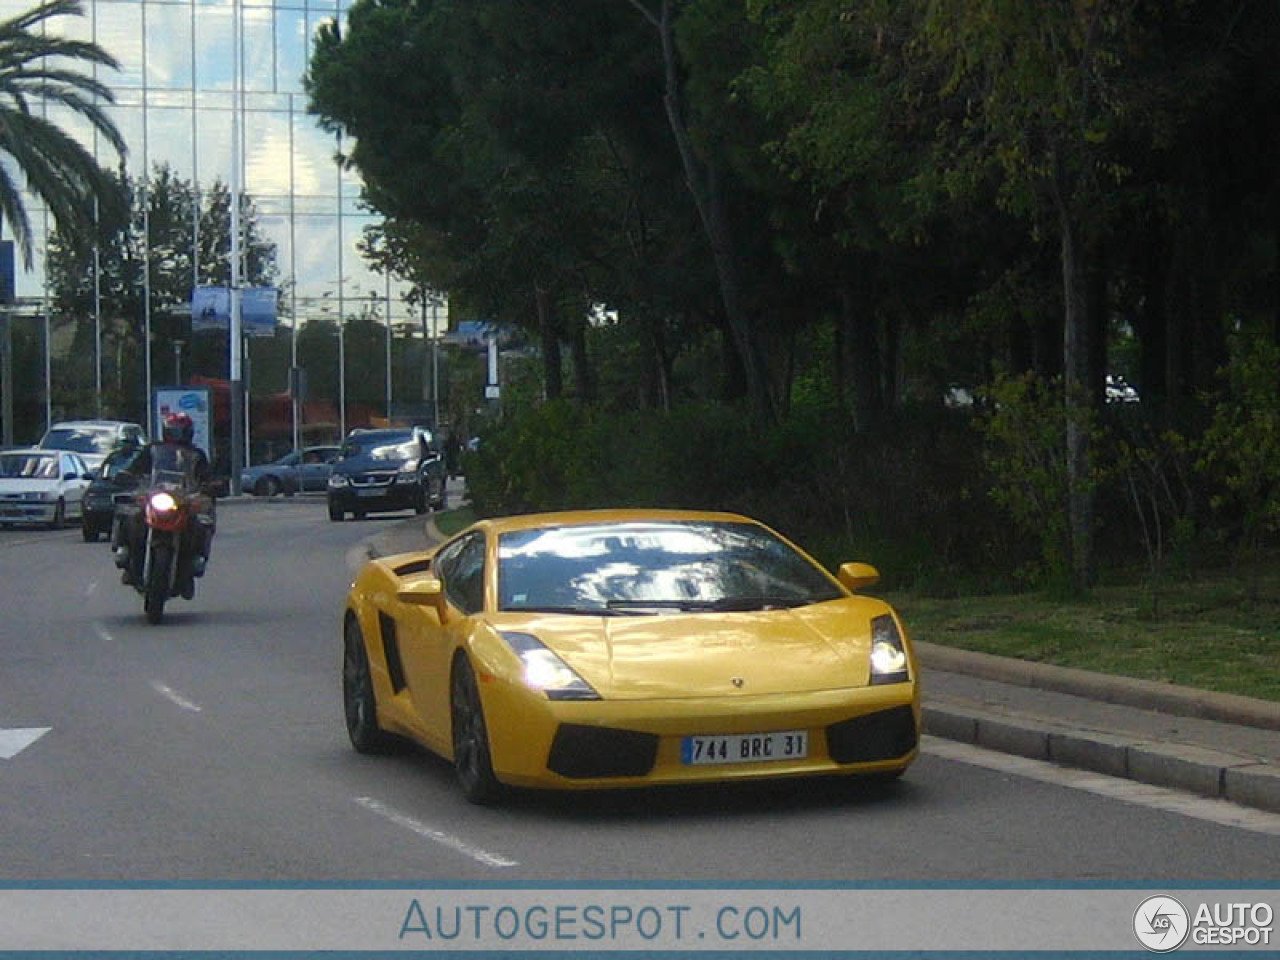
177 103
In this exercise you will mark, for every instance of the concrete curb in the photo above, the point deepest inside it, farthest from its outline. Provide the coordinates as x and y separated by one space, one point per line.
1143 694
1245 780
1209 773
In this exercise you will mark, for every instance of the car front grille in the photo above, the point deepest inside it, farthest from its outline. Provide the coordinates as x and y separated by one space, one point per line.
580 752
886 735
372 479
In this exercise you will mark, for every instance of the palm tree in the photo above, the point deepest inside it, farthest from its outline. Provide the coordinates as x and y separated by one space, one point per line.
37 68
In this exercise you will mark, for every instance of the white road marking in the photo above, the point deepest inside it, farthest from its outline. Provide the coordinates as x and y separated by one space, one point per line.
173 696
1222 812
103 633
17 739
438 836
91 588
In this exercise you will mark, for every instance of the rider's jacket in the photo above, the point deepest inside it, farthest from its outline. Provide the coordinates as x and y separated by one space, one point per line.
178 465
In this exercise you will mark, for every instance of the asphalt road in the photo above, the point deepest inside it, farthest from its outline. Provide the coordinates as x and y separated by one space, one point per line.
212 748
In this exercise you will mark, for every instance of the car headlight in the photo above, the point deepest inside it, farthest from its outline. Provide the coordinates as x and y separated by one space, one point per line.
888 654
337 480
409 466
545 671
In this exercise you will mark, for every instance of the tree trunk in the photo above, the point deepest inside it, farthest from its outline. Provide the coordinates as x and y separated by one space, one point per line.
703 181
584 382
549 333
864 343
1075 364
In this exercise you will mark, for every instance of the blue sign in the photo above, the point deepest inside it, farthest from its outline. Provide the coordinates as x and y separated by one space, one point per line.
258 311
6 271
210 308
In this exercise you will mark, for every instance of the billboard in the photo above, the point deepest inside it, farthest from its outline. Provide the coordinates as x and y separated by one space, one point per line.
195 402
211 310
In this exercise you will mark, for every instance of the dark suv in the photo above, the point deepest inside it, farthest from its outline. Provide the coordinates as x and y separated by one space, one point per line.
393 469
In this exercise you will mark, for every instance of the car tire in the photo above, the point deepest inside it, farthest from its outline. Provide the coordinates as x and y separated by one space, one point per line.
157 586
335 514
420 503
89 530
266 487
472 761
359 702
59 516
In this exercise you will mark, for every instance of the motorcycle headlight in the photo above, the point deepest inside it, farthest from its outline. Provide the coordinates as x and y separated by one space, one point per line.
162 502
888 654
545 671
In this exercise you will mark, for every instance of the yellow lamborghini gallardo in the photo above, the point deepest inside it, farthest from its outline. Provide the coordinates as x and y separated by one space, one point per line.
625 648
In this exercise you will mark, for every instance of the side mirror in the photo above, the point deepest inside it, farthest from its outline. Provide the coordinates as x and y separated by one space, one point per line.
427 592
856 576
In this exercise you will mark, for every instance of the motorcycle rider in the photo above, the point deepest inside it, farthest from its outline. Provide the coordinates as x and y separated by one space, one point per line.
176 456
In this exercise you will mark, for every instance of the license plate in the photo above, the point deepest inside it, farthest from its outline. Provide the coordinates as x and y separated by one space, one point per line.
745 747
375 492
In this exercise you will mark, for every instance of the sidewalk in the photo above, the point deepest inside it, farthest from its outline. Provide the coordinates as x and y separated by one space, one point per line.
1216 745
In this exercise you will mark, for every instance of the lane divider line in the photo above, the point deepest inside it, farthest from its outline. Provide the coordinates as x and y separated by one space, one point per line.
436 836
174 697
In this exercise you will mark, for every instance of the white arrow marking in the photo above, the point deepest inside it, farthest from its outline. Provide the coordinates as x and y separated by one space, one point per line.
13 742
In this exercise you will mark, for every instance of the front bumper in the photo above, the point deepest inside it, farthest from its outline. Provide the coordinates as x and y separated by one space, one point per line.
376 494
15 510
593 744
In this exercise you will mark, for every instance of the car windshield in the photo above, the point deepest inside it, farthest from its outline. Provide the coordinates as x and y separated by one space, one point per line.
29 465
398 446
121 461
78 439
651 567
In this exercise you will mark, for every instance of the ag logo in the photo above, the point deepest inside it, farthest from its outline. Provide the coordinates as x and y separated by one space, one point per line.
1161 924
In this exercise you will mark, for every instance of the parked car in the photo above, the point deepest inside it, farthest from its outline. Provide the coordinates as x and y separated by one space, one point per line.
121 472
397 468
300 470
628 648
93 439
42 486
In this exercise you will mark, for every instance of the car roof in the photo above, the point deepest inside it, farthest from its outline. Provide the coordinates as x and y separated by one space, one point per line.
565 518
27 451
94 423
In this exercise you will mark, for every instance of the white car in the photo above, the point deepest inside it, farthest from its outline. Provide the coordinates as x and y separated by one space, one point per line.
93 439
42 486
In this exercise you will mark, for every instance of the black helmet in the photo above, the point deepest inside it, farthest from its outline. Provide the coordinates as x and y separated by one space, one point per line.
178 428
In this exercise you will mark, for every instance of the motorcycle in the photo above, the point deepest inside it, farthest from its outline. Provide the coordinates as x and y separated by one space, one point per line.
159 541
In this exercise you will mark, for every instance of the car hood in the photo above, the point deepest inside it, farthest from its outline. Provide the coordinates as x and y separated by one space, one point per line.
363 464
818 647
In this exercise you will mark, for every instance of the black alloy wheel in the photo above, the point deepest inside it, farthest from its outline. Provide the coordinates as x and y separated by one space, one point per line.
358 699
472 761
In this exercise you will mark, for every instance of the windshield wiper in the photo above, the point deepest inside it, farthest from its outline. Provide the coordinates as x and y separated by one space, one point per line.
721 605
576 611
